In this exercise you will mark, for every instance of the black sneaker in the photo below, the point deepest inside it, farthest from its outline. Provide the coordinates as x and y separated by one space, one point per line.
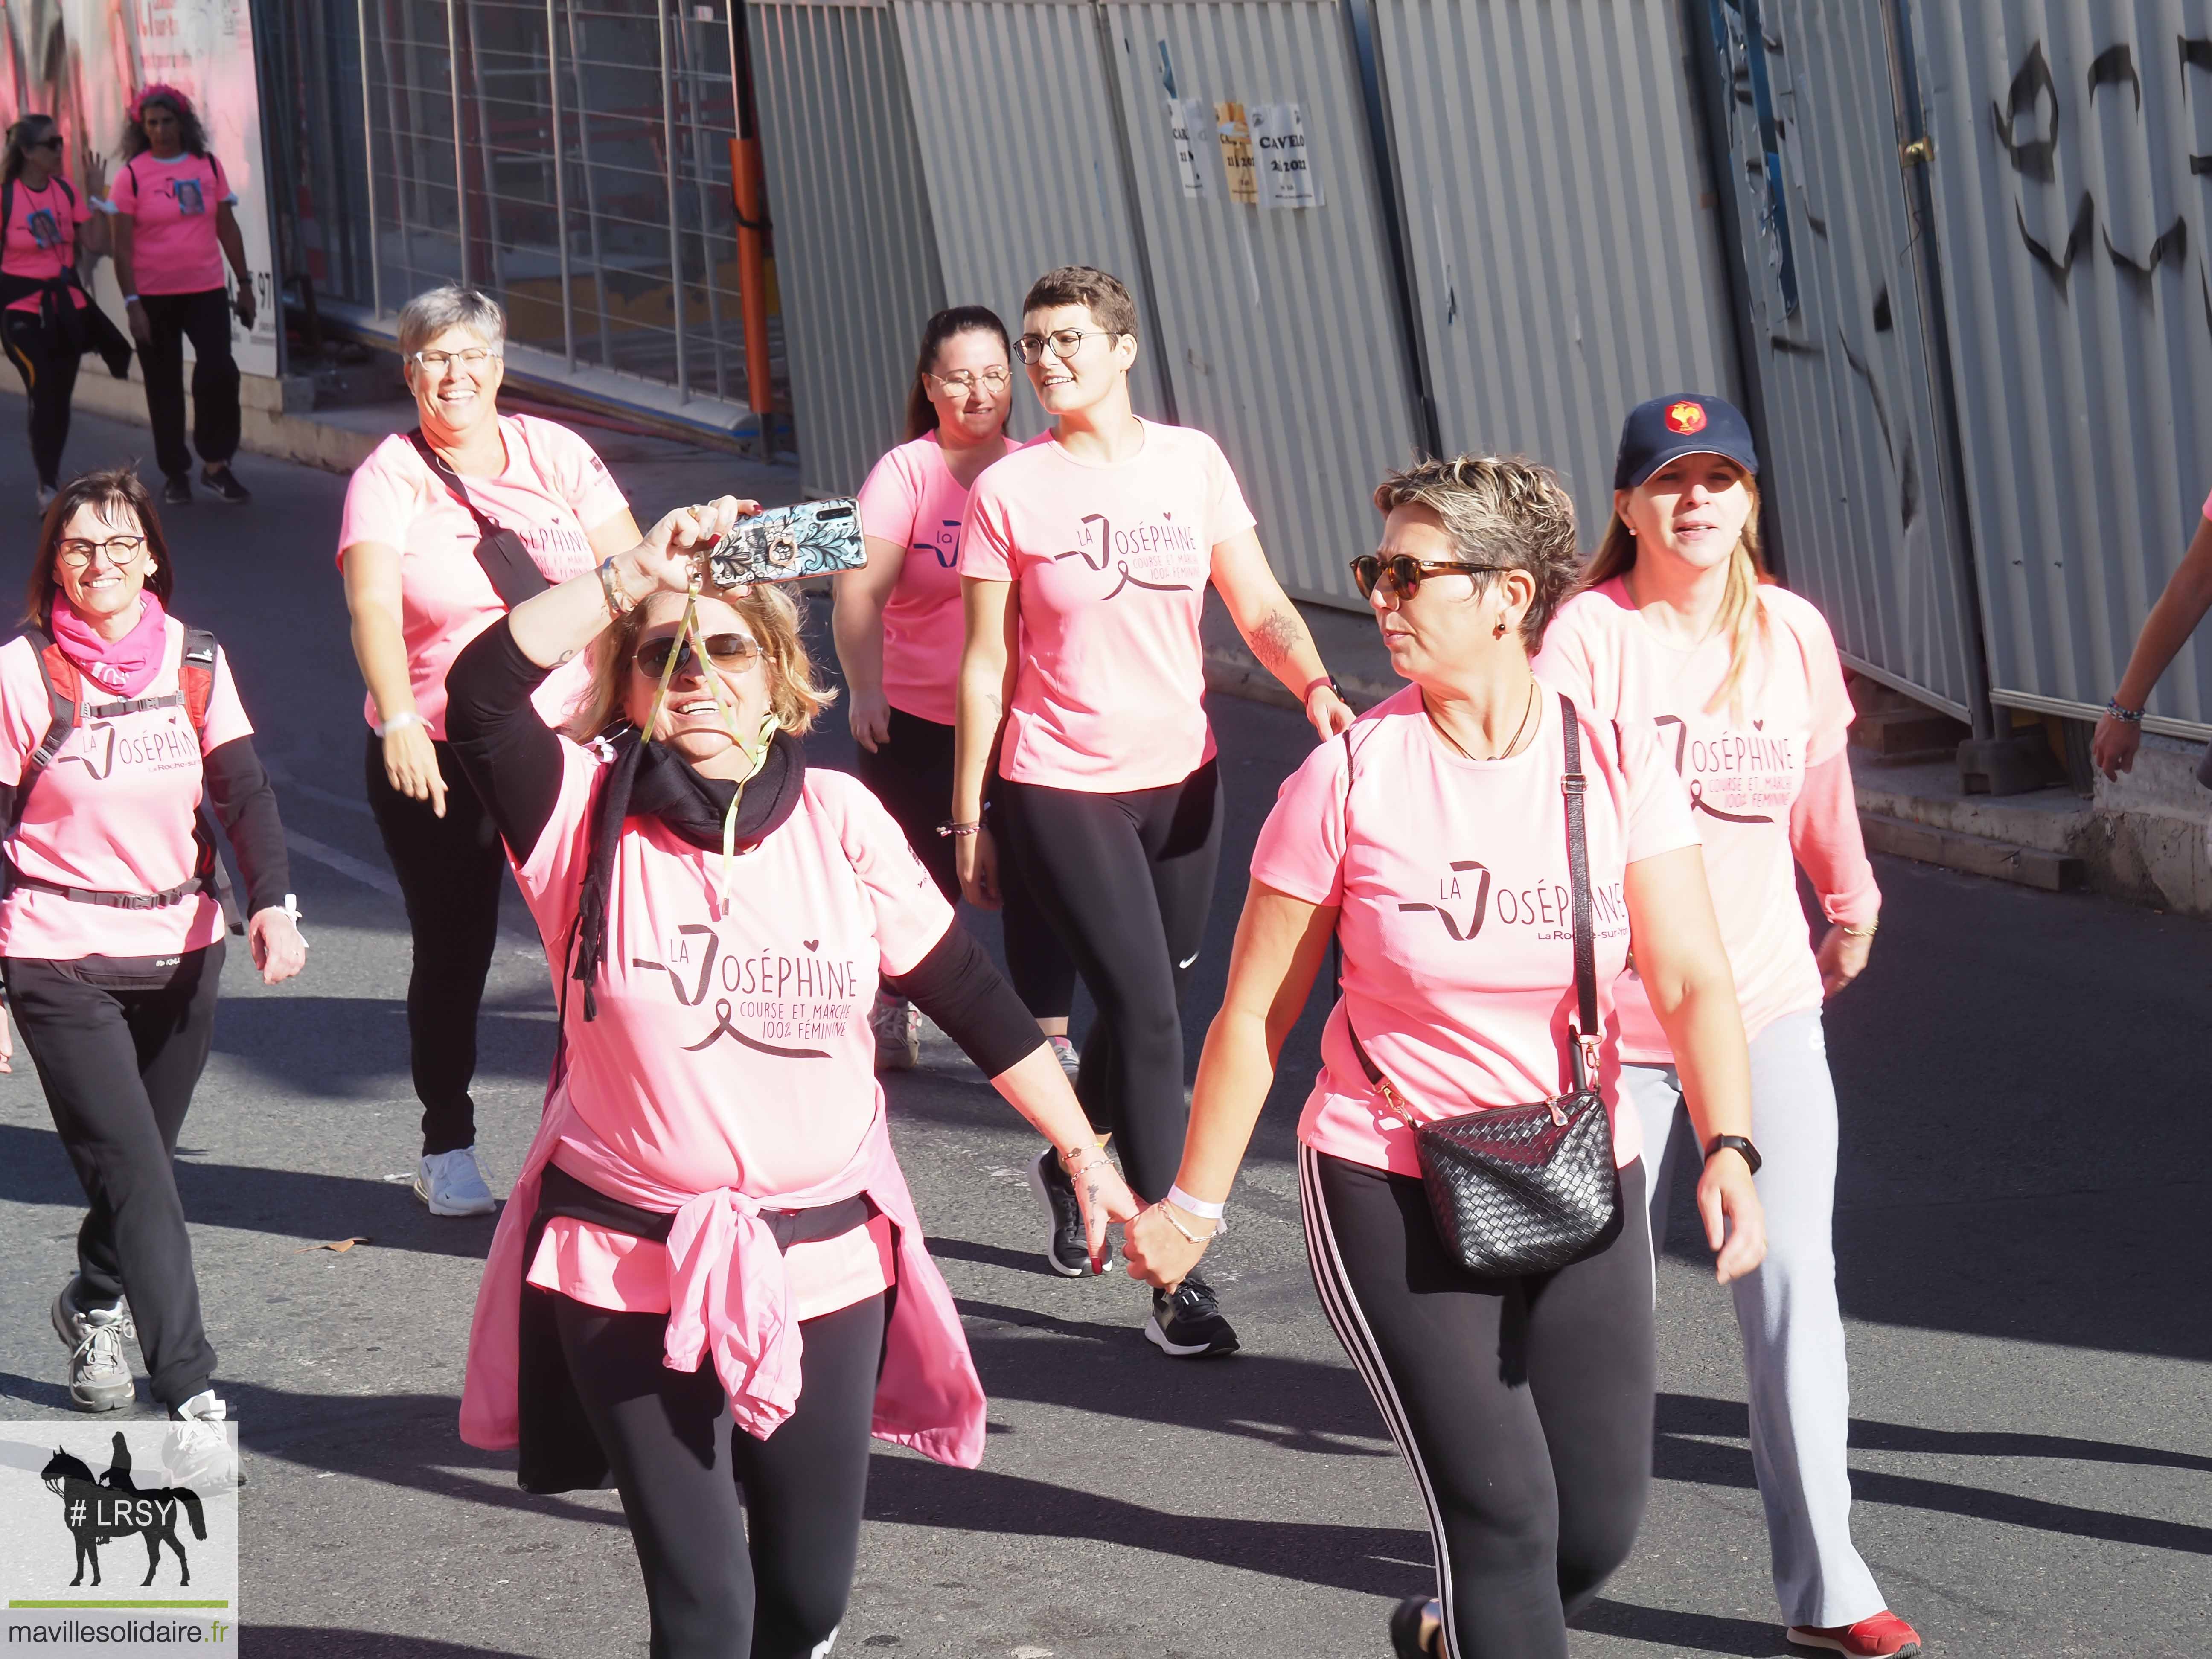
1186 1322
225 485
177 491
1407 1622
1066 1251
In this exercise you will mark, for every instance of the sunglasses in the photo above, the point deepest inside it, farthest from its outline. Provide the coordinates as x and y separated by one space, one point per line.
1404 571
723 650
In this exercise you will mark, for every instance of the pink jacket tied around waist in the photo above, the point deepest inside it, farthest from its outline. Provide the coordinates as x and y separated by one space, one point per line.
728 1296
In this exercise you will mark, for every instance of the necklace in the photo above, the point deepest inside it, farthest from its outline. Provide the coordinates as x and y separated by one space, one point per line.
1512 747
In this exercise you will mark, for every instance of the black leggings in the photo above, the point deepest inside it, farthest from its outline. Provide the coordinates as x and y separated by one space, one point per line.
1522 1405
203 319
911 773
1126 881
767 1581
49 372
118 1068
449 876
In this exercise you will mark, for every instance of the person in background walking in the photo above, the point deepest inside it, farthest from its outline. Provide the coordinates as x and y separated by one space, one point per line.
2180 608
47 230
711 1282
1522 1403
1675 632
1084 559
419 590
898 629
173 229
110 935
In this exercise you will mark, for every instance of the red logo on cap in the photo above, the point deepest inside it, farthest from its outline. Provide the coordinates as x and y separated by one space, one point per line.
1686 416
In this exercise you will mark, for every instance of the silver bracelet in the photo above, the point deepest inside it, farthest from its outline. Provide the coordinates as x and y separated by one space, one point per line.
619 603
1168 1211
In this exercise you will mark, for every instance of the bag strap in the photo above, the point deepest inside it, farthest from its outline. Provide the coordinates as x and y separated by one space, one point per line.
1588 1036
444 468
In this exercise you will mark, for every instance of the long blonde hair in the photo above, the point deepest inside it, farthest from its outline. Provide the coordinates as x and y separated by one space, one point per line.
793 697
1742 618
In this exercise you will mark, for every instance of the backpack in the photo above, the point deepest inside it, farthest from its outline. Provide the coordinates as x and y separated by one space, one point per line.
65 689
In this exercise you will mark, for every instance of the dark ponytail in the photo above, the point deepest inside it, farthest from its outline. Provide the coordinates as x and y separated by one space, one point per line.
920 413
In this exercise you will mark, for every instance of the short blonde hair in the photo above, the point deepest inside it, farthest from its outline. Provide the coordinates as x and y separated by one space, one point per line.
1498 510
793 696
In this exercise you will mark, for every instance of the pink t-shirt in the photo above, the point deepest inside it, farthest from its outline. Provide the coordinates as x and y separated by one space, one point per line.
732 1049
911 498
1744 773
172 206
40 242
1113 564
1456 923
553 491
113 812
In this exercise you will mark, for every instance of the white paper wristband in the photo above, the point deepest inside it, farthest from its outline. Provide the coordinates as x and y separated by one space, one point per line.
399 722
1197 1206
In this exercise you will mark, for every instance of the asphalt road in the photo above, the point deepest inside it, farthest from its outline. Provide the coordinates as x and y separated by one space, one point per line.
2019 1244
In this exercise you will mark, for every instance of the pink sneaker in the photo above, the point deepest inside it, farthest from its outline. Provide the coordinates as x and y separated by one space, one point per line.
1884 1636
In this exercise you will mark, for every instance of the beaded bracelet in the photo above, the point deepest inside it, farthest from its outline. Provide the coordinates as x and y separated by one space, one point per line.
2132 716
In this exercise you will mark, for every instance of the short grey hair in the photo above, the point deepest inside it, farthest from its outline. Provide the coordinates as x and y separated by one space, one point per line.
429 315
1499 510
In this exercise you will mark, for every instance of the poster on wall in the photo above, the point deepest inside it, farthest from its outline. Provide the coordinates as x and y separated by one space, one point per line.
1285 167
82 61
1235 150
1187 118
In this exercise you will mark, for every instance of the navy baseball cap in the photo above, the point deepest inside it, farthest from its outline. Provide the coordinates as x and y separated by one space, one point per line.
1684 423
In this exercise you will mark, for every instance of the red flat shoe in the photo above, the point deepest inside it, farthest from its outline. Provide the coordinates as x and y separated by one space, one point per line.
1884 1636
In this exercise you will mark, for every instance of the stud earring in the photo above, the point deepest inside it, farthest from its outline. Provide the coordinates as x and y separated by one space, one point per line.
1499 632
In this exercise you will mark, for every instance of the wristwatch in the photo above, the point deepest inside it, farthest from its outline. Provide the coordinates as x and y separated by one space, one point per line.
1742 1144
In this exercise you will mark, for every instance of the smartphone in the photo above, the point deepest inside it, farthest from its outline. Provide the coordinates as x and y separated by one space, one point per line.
785 544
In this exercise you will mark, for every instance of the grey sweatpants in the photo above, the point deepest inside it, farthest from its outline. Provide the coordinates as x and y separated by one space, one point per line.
1793 1329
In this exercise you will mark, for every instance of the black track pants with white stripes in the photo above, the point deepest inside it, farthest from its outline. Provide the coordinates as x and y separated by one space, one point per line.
1522 1406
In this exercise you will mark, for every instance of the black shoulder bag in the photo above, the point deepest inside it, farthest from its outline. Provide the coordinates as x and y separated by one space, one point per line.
1524 1189
514 575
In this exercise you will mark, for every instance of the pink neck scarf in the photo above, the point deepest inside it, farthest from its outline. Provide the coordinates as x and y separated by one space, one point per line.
125 666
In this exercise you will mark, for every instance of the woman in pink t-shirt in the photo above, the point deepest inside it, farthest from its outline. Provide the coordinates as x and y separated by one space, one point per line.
1084 559
1677 633
173 229
416 514
110 935
1432 844
710 1280
46 230
898 629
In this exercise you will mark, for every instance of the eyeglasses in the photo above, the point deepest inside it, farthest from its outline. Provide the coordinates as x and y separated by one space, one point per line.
1065 343
1404 571
438 363
963 384
121 550
723 650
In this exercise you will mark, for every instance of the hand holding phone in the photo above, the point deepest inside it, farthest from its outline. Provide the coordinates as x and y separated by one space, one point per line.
786 544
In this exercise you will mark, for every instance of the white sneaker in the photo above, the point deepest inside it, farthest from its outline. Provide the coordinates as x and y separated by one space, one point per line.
897 1026
99 1371
198 1453
451 1184
1064 1051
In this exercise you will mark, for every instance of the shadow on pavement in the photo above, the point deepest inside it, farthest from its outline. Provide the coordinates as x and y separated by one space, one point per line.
1684 1633
330 1047
314 1642
286 1203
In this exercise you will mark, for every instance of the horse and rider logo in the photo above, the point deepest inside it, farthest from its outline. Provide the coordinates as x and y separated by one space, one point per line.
99 1511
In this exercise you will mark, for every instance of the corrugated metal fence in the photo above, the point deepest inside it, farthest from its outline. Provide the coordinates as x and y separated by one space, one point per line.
856 255
2071 170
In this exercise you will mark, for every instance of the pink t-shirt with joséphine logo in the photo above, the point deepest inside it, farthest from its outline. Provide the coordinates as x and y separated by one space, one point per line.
1742 768
1113 563
172 205
114 812
1452 878
553 491
911 498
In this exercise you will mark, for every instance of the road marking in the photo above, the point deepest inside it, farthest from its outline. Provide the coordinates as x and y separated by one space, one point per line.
344 863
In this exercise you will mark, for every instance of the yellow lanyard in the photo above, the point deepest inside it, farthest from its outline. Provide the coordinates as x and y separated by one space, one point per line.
755 753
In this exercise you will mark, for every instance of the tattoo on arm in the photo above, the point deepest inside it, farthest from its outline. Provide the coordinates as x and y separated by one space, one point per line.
1276 635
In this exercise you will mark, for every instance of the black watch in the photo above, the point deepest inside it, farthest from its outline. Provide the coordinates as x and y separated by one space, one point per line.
1742 1144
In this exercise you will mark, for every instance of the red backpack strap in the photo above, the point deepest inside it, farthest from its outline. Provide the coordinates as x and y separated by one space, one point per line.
196 676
